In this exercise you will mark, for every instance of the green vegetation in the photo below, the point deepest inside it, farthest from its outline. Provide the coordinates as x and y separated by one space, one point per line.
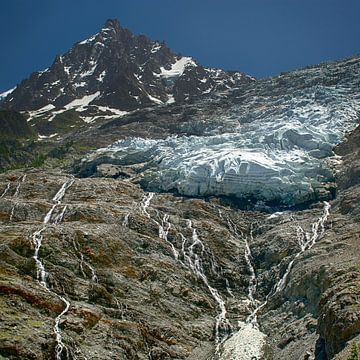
14 126
61 124
355 352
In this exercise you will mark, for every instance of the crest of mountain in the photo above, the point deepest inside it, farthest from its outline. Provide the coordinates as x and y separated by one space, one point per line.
114 72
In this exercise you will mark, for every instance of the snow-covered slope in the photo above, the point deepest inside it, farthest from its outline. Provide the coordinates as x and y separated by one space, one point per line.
6 93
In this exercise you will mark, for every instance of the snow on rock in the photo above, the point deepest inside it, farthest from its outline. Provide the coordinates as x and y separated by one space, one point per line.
155 100
245 344
43 137
40 111
6 93
101 77
177 69
81 103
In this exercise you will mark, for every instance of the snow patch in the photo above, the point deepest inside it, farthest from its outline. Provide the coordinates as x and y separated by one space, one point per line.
43 137
81 84
40 111
81 103
177 69
6 93
245 344
90 71
155 100
156 47
86 41
101 77
171 99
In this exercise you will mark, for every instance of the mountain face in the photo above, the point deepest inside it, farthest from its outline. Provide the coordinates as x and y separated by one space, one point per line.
114 72
205 216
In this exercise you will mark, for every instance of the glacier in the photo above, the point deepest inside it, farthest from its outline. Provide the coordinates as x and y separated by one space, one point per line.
271 149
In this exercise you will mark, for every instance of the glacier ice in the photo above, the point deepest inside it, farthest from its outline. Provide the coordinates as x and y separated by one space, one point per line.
270 149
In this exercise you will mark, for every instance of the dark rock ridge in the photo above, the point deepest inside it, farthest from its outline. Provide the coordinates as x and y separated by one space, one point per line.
121 71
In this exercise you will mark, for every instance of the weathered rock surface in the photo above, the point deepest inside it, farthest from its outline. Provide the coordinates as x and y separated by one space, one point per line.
132 290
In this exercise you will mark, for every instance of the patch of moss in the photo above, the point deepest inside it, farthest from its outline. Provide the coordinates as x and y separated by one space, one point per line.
35 323
355 352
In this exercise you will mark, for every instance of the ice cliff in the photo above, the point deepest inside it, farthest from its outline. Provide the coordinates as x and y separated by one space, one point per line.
269 160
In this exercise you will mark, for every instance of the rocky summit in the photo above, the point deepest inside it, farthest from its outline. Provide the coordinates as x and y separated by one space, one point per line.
153 208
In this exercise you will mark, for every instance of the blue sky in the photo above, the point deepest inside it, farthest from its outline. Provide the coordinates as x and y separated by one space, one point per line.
259 37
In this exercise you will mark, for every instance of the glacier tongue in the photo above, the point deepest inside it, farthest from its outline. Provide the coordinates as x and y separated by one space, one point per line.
270 153
219 165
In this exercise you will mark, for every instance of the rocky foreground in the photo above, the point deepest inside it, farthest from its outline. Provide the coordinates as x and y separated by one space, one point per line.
125 274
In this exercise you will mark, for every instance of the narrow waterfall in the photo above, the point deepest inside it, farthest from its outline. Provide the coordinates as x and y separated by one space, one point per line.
247 343
7 188
16 194
41 274
192 251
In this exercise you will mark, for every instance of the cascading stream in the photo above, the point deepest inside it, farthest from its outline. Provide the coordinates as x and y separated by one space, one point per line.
41 274
238 347
5 190
193 261
84 262
145 203
306 241
247 342
16 194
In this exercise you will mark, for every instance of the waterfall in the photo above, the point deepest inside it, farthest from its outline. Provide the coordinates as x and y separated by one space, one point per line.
164 228
41 274
146 202
125 222
17 190
246 344
16 194
192 260
5 191
83 262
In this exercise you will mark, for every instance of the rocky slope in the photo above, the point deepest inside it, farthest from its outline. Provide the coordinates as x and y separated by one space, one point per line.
161 277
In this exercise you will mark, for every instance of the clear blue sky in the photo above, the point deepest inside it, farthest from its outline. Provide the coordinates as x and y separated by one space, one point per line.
259 37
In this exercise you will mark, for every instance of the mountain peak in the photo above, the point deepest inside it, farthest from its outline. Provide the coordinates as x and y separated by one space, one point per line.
112 24
118 70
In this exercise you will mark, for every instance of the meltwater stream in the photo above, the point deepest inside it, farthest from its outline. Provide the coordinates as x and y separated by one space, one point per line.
192 252
41 274
5 190
247 342
16 194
